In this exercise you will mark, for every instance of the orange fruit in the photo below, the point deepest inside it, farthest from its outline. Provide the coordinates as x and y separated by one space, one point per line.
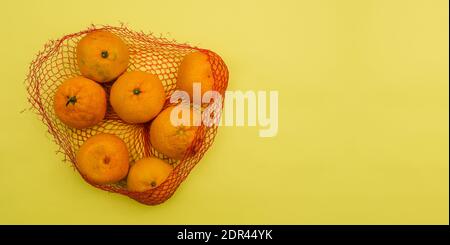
80 102
148 173
103 159
171 140
102 56
137 96
195 68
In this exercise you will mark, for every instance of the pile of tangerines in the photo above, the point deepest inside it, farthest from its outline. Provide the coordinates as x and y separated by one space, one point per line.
136 97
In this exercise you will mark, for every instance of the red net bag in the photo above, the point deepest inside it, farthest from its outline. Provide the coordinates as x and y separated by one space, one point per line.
157 55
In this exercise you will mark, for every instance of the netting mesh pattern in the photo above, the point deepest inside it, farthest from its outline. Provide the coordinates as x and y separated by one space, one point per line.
157 55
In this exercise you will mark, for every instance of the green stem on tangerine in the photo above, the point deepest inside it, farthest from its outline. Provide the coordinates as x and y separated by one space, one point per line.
71 100
136 91
105 54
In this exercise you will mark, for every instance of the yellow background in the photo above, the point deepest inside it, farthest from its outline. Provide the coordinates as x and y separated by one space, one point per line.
363 114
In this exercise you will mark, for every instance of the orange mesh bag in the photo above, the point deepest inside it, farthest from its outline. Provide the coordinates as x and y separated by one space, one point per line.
157 55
